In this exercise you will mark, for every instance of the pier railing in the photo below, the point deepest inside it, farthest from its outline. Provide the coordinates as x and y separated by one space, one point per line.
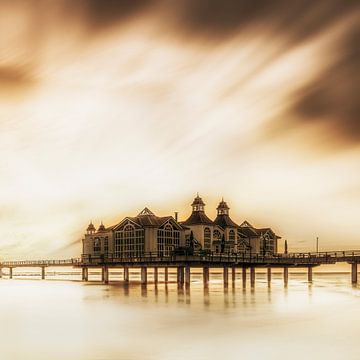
30 263
228 258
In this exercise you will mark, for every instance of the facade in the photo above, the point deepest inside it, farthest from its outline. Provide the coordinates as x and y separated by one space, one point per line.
147 233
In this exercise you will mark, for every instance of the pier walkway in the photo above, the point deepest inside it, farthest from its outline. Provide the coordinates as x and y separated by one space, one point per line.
184 263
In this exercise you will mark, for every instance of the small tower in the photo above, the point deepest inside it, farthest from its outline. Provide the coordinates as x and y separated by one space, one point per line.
90 229
101 227
222 208
198 204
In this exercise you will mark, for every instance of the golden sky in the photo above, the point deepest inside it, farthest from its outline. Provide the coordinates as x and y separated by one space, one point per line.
110 106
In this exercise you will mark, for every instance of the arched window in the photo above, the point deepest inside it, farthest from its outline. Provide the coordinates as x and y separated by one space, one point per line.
168 238
129 242
207 238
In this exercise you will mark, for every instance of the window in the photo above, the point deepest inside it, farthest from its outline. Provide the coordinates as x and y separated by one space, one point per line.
106 245
97 245
217 235
168 239
207 238
129 242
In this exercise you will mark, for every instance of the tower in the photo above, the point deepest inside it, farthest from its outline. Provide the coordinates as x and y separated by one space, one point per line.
90 229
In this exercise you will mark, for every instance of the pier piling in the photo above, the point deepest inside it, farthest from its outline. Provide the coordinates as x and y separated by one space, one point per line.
105 274
126 274
269 275
187 276
155 275
180 275
244 276
85 274
252 277
166 275
286 275
144 275
10 273
226 275
206 276
233 274
43 272
310 274
354 274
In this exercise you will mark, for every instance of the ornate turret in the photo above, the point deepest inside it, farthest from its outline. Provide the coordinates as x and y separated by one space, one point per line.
101 227
222 208
223 219
198 216
198 204
91 228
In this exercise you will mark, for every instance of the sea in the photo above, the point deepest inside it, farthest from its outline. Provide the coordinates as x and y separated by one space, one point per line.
63 318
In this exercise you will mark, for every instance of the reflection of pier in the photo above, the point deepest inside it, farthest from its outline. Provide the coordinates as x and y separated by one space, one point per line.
184 264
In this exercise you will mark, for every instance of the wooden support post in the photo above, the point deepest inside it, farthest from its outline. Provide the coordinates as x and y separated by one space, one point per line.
206 276
144 275
10 273
126 274
43 272
286 275
105 274
226 276
233 274
269 275
310 274
187 275
166 275
244 276
252 276
180 275
155 275
1 273
354 273
85 274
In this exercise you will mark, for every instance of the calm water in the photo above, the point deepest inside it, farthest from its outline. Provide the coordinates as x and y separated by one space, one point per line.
56 319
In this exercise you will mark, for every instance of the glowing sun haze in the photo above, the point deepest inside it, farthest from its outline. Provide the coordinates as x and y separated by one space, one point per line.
108 107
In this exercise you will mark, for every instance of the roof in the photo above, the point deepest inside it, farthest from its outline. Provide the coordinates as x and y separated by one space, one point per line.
248 231
146 218
225 221
198 218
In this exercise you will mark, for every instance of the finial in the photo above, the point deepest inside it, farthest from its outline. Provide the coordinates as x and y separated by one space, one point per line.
197 194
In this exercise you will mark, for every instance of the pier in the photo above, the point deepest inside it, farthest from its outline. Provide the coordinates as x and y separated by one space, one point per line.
185 263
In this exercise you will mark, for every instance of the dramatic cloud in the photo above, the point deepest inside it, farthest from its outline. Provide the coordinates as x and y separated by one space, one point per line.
108 106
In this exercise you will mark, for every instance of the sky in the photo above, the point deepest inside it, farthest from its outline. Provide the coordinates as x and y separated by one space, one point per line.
110 106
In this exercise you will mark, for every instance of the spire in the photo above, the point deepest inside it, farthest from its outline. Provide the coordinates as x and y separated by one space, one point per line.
222 208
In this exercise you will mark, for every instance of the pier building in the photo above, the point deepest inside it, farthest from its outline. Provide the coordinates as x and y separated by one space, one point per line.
149 233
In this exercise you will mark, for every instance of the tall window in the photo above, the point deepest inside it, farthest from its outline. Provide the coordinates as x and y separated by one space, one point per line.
106 245
168 238
97 245
129 242
207 238
232 235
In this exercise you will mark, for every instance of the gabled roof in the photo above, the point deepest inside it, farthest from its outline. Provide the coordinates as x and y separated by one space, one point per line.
146 218
225 221
248 232
197 218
